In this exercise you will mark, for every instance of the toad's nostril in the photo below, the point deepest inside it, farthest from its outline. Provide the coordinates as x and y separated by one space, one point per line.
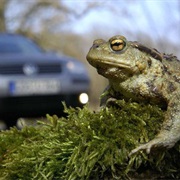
94 46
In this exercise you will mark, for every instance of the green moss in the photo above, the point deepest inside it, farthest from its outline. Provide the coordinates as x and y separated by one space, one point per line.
89 145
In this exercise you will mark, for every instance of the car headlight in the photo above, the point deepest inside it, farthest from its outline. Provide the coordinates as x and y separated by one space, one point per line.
83 98
77 68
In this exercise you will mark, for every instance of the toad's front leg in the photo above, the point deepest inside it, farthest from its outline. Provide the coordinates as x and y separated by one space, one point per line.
161 140
170 132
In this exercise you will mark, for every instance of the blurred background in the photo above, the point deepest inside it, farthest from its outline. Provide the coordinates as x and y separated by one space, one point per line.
69 27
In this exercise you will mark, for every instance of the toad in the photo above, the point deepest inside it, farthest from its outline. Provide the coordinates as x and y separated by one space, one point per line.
143 74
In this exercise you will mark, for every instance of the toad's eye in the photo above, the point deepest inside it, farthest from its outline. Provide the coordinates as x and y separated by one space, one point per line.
117 44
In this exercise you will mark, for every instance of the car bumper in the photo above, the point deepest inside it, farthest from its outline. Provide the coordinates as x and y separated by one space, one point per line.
36 106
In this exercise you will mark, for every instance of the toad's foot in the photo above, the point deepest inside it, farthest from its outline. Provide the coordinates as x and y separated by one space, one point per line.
155 143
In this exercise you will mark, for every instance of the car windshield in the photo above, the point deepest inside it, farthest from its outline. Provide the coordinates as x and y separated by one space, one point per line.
10 44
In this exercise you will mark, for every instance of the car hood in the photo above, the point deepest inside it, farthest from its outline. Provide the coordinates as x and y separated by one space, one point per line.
31 58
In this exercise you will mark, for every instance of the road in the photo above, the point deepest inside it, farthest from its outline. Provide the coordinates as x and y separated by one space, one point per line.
22 122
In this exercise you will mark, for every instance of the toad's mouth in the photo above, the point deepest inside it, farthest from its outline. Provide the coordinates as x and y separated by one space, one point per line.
111 64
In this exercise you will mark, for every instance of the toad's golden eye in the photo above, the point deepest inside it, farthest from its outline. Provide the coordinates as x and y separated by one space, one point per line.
117 44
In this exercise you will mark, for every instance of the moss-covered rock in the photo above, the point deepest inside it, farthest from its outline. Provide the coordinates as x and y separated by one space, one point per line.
89 145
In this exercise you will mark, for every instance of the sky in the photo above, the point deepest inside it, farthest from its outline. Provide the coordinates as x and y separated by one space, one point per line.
158 18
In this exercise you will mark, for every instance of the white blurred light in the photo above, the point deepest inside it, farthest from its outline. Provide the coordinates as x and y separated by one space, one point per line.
77 68
83 98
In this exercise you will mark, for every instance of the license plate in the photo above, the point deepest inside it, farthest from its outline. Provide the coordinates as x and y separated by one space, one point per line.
30 87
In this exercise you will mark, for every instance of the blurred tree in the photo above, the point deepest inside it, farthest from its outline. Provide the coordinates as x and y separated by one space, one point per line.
43 14
3 4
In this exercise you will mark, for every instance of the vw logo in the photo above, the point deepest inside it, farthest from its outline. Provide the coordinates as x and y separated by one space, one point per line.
30 69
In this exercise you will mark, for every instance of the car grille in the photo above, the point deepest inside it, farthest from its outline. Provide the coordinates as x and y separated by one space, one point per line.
55 68
42 69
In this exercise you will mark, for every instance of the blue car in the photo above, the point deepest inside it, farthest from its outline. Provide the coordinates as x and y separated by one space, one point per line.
34 82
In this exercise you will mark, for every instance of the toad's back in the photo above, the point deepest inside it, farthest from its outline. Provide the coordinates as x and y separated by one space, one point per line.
172 66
